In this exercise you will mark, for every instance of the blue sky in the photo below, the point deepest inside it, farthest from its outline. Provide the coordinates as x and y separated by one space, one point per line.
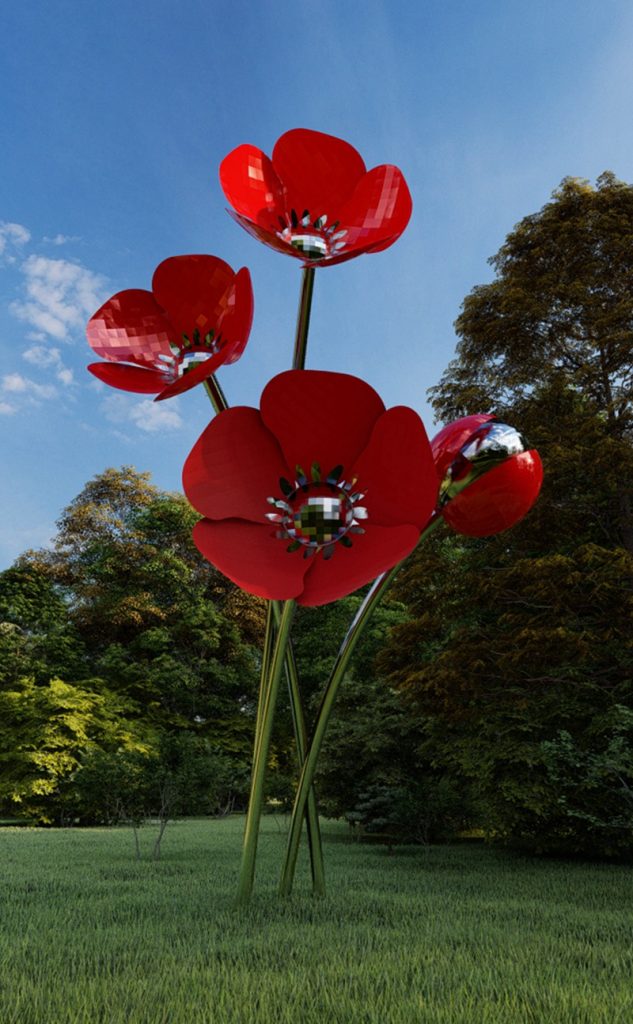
116 115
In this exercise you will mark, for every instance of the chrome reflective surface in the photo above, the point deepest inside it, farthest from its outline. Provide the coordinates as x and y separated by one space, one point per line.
489 446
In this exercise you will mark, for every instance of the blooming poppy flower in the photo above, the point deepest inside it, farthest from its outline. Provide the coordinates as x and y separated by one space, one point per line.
315 493
197 317
315 199
489 479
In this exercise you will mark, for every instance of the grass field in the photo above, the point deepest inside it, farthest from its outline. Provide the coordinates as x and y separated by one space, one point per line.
452 935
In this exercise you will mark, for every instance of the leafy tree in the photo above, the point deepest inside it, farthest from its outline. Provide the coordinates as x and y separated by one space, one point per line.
44 733
557 320
37 637
372 770
518 639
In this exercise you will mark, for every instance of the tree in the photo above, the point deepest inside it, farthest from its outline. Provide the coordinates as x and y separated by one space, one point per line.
523 638
558 319
37 637
44 733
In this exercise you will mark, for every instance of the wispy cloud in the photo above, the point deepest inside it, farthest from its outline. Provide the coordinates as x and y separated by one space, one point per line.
16 384
6 409
60 295
151 417
12 238
60 239
47 358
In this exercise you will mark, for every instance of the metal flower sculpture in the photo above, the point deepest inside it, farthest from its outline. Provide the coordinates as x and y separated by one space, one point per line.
314 494
315 199
197 317
490 478
322 489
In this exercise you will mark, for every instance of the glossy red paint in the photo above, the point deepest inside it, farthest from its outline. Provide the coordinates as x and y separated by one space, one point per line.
312 427
196 318
315 199
498 499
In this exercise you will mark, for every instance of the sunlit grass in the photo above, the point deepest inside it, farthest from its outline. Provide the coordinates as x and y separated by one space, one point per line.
451 935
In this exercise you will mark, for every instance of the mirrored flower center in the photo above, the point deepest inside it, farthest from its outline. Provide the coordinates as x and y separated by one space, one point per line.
189 353
314 515
312 236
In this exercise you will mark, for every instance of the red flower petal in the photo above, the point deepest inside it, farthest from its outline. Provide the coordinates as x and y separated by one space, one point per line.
233 467
236 317
499 499
451 438
379 210
319 172
379 549
252 557
396 470
267 237
190 289
251 185
131 327
140 379
319 416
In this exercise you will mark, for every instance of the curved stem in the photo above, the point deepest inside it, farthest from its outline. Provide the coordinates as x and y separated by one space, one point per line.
337 673
256 800
220 403
301 740
303 318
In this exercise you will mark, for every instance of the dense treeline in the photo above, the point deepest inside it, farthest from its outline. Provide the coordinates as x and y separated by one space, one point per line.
493 691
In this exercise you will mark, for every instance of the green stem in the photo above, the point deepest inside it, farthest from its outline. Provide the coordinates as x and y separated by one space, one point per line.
220 403
301 739
256 799
303 318
267 651
337 673
215 393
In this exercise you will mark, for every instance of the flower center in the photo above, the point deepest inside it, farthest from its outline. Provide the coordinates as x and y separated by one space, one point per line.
312 236
189 352
314 515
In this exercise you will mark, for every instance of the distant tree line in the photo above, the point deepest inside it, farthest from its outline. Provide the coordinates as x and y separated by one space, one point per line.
493 693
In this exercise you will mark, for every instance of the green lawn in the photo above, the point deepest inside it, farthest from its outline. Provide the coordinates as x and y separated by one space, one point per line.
457 935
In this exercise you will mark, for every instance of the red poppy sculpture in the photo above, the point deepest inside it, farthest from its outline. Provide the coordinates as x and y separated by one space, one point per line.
314 494
315 199
197 317
489 478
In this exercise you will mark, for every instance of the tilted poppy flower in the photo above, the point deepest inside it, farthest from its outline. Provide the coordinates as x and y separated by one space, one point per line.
320 470
197 317
315 199
489 479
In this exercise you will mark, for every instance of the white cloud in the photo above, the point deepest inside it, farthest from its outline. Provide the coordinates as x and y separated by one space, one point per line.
12 235
42 355
61 239
60 295
45 357
6 409
15 383
154 416
147 415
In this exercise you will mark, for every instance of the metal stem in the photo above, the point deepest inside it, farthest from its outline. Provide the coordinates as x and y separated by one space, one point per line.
256 800
215 393
337 673
303 319
220 403
317 867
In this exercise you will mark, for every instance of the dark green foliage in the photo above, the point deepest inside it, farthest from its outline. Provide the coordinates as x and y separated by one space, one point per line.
520 650
128 613
373 771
